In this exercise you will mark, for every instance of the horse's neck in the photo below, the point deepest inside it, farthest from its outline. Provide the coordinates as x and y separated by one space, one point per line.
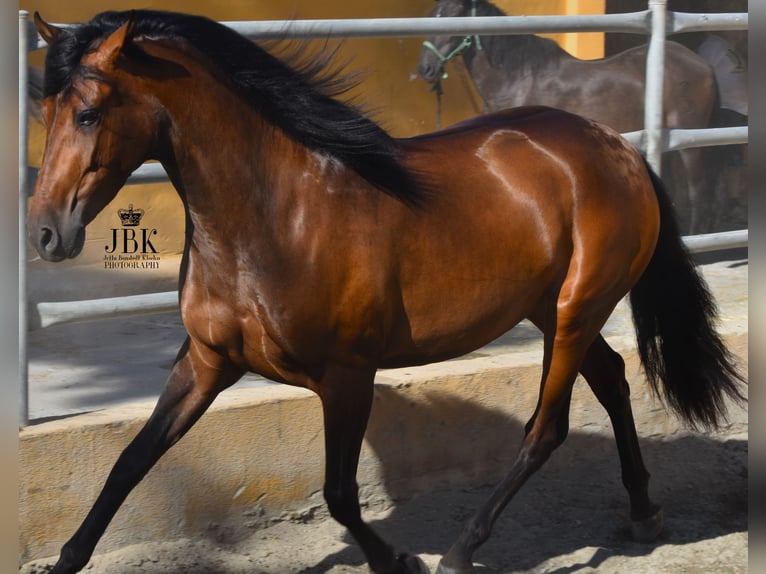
210 146
517 55
512 66
219 155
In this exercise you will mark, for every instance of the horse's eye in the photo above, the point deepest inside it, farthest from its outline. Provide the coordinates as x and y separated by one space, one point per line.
87 118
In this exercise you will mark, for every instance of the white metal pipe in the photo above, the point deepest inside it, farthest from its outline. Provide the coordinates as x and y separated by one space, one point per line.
716 241
688 22
685 138
637 138
676 139
633 22
23 162
148 173
75 311
655 68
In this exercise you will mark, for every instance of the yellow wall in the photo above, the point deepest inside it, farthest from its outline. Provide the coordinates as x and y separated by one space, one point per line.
586 46
402 101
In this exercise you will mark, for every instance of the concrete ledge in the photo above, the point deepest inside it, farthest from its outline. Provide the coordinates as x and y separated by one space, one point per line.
258 453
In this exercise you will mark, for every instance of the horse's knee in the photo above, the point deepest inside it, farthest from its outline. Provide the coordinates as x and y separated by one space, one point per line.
561 429
541 441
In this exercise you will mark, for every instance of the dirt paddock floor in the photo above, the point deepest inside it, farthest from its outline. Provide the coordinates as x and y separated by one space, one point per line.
570 517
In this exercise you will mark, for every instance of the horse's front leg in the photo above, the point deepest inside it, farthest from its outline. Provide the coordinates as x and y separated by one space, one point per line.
346 396
197 377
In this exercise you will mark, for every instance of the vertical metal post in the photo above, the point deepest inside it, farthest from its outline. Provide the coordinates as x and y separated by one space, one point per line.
23 171
655 66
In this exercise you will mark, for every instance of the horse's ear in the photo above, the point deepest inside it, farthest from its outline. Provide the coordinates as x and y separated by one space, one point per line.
111 48
48 32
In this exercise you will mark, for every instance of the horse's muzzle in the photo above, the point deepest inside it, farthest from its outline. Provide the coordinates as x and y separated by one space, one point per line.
430 72
52 245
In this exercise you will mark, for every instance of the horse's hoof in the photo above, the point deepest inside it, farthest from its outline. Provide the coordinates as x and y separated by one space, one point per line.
412 564
648 529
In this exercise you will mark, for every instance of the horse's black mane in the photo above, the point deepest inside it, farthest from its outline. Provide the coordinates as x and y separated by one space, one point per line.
525 53
298 99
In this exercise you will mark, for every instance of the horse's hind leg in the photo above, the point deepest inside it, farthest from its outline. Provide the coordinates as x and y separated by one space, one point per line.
197 377
569 326
604 370
346 396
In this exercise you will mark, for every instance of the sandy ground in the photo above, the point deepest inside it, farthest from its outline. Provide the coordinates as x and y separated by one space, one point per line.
570 517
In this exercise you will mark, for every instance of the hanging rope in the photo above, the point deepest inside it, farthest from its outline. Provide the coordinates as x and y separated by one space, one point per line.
463 45
437 89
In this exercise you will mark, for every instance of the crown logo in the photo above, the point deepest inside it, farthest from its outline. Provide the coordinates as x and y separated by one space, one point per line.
130 217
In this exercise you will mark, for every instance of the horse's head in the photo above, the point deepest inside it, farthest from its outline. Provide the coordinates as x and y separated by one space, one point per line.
438 50
98 130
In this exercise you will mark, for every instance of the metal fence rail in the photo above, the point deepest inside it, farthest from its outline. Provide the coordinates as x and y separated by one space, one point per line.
653 140
632 23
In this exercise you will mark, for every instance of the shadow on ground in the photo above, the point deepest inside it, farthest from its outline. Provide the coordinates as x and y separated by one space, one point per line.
575 501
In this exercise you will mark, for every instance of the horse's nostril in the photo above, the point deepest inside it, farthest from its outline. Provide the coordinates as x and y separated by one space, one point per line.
45 236
52 246
46 239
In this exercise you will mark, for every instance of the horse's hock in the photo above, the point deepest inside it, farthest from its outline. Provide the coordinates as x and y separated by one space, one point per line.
256 456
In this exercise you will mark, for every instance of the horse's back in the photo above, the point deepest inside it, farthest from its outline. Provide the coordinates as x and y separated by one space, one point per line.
524 140
688 87
612 89
517 196
560 163
676 55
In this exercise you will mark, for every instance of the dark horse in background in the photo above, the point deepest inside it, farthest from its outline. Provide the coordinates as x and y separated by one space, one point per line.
319 249
524 69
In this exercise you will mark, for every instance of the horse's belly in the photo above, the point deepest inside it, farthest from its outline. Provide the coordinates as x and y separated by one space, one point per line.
456 321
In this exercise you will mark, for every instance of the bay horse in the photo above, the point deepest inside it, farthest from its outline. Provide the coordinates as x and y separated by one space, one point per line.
319 249
525 69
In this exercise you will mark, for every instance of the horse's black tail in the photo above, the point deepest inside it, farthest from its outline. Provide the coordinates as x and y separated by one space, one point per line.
674 316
